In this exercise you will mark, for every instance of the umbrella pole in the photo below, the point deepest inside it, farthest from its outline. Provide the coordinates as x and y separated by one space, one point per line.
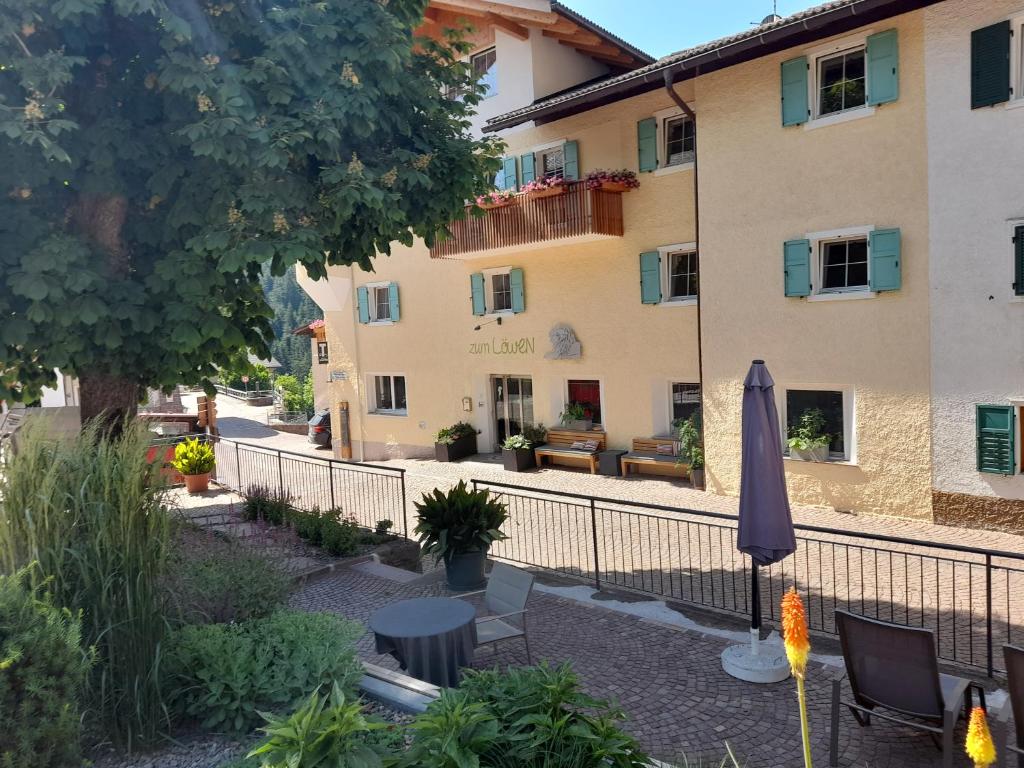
755 612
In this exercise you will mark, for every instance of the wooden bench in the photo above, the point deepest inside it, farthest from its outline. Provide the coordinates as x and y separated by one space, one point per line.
645 458
558 448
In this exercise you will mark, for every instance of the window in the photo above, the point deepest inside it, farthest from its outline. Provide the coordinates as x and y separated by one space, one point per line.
831 405
586 392
484 66
844 264
685 401
321 352
842 84
679 137
381 303
682 275
501 292
552 163
388 395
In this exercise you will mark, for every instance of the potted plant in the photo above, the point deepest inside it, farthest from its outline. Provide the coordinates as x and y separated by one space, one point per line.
455 442
808 440
497 198
691 449
517 450
697 466
612 181
459 527
544 187
574 417
195 461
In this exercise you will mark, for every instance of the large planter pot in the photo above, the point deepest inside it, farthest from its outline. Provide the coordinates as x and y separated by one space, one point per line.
697 478
466 570
582 425
460 449
197 483
612 186
537 194
492 206
820 453
517 459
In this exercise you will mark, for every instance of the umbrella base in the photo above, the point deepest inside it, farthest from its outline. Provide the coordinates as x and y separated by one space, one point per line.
757 662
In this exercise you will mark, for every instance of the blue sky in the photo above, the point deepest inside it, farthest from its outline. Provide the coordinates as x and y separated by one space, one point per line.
660 27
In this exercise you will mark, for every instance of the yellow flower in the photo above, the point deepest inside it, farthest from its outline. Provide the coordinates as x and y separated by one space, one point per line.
355 166
204 103
281 225
33 111
979 741
211 60
794 632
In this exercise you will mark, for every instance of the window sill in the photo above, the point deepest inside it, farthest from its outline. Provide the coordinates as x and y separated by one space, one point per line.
1015 103
843 296
381 322
839 117
678 303
1015 299
387 413
830 462
499 312
669 169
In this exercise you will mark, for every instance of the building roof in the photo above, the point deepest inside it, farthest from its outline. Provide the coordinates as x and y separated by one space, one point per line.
768 37
563 10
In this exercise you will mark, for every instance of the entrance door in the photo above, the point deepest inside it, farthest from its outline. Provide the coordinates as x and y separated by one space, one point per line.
513 405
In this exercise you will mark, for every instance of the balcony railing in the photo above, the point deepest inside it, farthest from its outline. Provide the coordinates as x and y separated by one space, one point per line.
576 212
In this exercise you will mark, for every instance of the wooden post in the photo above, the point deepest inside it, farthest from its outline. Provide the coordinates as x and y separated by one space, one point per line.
343 429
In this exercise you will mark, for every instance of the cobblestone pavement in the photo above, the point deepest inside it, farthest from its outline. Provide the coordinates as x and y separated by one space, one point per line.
669 681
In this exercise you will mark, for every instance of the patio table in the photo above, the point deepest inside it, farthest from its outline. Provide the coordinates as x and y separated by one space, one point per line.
430 637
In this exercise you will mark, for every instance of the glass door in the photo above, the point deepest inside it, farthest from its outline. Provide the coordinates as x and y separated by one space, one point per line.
513 405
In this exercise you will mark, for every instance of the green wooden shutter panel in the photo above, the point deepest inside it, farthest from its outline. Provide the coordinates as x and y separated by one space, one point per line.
476 282
884 245
796 259
647 144
571 153
526 164
510 173
650 277
990 65
883 67
515 279
363 299
794 91
393 301
1018 261
995 430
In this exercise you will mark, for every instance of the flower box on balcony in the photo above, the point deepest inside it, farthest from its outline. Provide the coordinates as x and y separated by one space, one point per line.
612 186
612 181
549 192
492 206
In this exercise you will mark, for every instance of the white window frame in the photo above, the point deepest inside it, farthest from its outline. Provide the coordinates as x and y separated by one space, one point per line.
817 240
538 161
371 302
565 397
663 117
493 87
489 290
1018 424
371 395
1016 62
665 251
849 425
825 51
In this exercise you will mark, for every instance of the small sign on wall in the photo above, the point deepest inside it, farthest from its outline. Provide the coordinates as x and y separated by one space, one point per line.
339 375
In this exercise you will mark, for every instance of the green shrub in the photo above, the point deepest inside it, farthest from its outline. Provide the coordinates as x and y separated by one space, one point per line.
384 527
307 525
89 510
448 435
192 457
42 672
340 536
223 675
266 505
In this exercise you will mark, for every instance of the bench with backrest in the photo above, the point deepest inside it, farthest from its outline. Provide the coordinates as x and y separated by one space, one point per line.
571 447
656 456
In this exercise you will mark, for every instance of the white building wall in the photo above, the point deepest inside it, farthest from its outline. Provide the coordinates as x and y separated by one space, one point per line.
976 191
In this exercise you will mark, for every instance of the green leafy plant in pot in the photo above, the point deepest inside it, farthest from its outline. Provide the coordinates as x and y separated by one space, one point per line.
574 417
517 450
455 442
195 461
808 440
459 526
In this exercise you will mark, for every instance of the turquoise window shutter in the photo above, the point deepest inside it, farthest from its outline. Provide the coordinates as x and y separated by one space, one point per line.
650 277
883 67
393 301
990 65
571 153
509 169
995 432
515 279
363 300
647 144
476 282
796 257
884 245
1018 261
526 164
794 91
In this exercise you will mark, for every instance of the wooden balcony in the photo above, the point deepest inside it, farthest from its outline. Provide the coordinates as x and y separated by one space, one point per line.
577 214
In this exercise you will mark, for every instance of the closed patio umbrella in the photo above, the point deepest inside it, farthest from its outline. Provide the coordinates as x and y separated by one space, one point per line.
765 523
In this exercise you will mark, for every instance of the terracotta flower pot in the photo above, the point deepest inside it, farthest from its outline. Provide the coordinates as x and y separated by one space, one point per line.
551 192
197 483
492 206
613 186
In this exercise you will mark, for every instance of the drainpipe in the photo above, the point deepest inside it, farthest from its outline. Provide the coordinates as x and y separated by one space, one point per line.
670 88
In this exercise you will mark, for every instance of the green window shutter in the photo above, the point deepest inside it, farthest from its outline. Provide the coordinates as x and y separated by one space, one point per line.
883 67
794 91
650 277
363 299
571 153
1018 261
526 164
393 301
884 245
515 279
476 282
990 65
509 169
796 257
995 430
647 144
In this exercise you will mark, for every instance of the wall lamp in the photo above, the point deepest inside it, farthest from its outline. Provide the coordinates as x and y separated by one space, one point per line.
495 320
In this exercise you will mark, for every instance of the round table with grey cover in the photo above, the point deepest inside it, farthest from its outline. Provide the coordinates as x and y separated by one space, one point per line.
431 637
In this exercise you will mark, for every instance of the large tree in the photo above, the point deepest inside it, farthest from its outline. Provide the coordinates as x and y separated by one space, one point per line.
156 153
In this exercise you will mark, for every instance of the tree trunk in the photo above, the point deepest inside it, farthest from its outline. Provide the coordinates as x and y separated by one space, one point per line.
108 399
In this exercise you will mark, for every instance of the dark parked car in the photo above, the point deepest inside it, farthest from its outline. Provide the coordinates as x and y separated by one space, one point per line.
320 428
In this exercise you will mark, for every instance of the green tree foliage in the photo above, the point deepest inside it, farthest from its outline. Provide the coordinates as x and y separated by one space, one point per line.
157 153
297 394
292 308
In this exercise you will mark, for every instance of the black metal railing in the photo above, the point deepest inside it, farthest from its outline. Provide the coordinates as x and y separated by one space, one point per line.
971 598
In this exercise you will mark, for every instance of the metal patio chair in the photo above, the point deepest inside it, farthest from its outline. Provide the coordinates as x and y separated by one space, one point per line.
508 590
1014 706
895 668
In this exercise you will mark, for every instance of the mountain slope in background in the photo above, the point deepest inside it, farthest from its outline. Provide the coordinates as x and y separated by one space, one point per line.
292 308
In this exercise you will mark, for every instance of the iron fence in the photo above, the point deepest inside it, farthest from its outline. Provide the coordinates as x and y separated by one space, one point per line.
971 598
